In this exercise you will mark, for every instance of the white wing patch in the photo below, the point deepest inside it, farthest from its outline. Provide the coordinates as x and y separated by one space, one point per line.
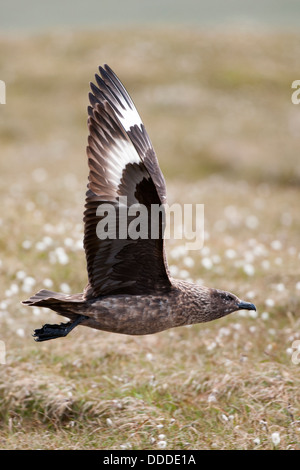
120 154
129 117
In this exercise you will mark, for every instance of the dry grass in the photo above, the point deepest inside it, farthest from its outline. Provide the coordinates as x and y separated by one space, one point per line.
218 109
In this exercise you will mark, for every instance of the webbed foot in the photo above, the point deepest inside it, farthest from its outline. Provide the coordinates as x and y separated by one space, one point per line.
56 331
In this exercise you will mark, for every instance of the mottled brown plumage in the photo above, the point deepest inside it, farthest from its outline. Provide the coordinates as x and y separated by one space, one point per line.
129 289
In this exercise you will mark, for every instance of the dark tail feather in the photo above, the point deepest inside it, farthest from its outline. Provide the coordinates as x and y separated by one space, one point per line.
47 298
66 305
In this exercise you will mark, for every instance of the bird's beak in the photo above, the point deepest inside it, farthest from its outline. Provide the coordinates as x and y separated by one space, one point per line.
246 306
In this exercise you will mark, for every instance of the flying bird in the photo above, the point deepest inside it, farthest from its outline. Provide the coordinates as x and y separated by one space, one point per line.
130 289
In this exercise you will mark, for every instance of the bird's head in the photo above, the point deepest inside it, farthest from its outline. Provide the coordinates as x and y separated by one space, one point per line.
207 304
224 303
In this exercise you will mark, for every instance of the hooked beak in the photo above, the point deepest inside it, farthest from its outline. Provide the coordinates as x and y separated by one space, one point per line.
246 306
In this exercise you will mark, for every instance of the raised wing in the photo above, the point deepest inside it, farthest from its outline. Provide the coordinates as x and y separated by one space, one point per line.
112 91
122 164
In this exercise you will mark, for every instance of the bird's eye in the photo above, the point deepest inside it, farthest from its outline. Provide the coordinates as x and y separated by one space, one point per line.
228 297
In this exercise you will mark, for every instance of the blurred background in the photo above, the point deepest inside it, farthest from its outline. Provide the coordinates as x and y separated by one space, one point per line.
212 81
36 16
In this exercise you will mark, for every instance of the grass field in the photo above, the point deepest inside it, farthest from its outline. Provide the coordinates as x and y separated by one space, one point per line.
218 108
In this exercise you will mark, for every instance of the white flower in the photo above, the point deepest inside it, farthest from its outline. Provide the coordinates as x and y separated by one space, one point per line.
48 282
275 438
20 275
183 273
250 294
242 313
227 363
251 221
48 241
298 286
20 332
249 269
62 256
205 251
162 444
26 244
173 270
178 251
223 331
40 246
212 398
65 288
14 288
28 283
207 263
265 316
269 302
265 264
161 437
230 253
256 441
211 346
109 422
79 244
188 261
58 256
276 245
253 314
69 242
259 250
149 356
36 311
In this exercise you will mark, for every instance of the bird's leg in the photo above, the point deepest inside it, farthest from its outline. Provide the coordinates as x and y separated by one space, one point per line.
57 331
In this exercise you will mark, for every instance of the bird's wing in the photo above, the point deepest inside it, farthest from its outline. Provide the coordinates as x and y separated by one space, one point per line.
110 89
122 164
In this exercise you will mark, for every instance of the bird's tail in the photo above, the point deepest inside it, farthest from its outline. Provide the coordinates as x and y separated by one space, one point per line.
47 298
70 306
43 298
65 305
